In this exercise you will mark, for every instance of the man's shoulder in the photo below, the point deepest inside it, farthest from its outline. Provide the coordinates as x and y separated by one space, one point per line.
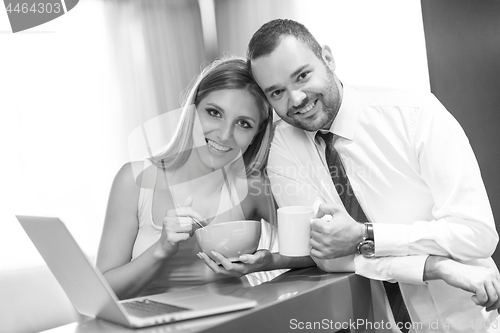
386 96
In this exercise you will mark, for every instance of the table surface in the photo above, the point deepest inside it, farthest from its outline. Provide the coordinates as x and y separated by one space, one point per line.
295 300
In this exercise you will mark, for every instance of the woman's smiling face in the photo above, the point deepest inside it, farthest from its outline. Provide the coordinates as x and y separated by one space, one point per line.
230 120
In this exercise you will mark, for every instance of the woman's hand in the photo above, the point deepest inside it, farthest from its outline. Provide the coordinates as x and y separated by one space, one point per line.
249 263
177 227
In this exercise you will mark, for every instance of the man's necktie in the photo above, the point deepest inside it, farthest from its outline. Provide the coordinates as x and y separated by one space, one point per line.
351 204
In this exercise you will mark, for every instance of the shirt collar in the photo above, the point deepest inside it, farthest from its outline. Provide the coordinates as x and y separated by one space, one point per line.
346 120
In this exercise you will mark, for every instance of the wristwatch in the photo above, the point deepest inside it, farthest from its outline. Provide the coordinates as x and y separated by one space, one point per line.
367 246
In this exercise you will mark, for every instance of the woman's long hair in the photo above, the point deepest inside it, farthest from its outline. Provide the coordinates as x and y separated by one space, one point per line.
226 73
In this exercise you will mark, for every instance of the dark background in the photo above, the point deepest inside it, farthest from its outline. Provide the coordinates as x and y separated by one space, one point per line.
463 51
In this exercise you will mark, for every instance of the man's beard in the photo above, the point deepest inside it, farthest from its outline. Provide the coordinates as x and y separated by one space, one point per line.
329 101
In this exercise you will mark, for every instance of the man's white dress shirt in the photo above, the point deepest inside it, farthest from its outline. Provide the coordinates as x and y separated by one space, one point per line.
416 177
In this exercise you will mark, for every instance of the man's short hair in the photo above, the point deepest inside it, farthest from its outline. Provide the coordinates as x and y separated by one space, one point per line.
266 39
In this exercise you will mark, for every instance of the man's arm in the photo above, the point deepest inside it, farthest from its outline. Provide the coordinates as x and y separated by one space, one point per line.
294 181
461 223
482 282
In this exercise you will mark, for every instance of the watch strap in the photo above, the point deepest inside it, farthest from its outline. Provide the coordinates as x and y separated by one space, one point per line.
369 231
367 246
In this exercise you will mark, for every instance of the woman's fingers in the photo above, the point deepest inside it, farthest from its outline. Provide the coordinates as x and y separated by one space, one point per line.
185 211
189 212
174 231
175 237
252 259
221 265
212 264
188 202
223 261
182 224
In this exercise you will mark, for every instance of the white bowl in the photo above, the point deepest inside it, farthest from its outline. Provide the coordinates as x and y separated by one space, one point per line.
231 239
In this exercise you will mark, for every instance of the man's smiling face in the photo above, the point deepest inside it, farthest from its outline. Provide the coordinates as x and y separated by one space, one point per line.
302 89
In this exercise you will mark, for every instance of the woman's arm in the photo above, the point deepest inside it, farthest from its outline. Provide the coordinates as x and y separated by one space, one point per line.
127 278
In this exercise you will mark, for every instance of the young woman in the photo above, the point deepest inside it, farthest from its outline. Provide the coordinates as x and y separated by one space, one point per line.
211 171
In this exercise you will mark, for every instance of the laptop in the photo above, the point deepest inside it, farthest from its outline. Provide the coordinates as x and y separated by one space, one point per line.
93 297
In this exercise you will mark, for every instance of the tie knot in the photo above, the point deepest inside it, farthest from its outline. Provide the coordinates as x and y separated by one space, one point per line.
327 137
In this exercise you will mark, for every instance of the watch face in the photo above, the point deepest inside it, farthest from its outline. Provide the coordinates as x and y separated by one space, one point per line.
367 248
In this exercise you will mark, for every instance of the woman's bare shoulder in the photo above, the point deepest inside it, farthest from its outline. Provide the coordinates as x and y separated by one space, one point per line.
139 173
128 172
136 175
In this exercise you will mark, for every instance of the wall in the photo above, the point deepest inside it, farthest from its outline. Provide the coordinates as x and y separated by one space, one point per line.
463 49
61 129
375 43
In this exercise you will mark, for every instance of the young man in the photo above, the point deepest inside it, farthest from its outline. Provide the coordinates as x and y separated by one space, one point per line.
405 172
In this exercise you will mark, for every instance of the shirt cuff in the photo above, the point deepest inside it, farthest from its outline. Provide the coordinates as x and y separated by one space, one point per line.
391 239
409 269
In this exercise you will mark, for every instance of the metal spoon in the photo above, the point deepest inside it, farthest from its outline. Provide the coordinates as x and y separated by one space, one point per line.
194 220
197 222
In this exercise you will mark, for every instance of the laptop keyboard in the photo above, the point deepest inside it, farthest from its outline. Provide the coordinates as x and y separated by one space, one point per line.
148 308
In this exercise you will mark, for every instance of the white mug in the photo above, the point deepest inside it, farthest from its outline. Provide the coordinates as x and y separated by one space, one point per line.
294 230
